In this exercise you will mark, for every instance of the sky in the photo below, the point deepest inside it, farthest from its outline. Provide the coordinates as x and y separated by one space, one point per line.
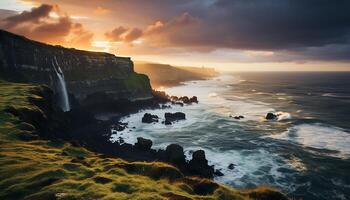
232 35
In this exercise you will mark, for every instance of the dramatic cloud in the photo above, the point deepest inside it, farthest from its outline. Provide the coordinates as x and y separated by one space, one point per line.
121 34
34 16
292 29
46 24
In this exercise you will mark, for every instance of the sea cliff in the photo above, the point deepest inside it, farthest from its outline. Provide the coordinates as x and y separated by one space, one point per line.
87 74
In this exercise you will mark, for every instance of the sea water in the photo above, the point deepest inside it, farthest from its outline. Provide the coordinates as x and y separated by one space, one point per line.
305 153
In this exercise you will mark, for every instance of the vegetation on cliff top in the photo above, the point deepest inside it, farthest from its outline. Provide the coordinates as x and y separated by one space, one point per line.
33 168
168 75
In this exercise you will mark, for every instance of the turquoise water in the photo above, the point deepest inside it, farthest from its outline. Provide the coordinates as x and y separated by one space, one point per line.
305 152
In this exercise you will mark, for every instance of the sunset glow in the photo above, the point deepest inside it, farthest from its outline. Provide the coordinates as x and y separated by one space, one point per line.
177 34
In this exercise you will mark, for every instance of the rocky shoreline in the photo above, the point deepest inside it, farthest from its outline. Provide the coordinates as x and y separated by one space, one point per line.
81 128
96 136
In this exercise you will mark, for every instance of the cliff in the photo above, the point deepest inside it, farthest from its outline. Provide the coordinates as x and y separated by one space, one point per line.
87 74
159 74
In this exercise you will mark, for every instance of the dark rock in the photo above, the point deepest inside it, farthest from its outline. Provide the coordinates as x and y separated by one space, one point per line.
271 116
149 118
167 122
165 106
172 117
218 173
185 100
143 144
126 147
174 98
194 99
231 166
175 154
238 117
199 165
120 126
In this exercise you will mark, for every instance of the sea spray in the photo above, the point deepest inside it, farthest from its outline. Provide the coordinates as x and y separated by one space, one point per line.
61 87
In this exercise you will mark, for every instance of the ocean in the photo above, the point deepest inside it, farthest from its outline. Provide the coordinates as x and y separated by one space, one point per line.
305 152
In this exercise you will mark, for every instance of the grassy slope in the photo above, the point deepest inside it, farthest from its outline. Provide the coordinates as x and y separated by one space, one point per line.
40 169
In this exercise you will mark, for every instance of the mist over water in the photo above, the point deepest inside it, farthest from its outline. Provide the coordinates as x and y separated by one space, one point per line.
305 152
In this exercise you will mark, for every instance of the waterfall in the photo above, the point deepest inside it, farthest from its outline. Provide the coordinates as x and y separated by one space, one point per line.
61 87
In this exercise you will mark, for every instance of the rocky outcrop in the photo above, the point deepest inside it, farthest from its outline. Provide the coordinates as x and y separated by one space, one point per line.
149 118
88 75
172 117
271 116
199 164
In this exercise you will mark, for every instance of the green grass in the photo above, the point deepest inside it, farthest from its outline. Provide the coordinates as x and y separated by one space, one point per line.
42 169
138 82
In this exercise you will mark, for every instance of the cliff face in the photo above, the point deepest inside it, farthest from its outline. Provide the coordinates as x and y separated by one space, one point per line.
87 74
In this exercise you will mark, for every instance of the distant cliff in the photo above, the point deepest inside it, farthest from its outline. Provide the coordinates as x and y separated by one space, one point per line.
86 73
168 75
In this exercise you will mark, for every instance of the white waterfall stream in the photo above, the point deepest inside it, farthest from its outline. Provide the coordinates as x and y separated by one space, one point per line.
61 87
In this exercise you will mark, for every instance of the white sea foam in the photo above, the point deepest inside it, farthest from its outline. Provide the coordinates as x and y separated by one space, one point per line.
329 95
250 166
283 116
319 136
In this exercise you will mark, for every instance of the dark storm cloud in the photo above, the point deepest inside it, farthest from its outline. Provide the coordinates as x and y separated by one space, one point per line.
318 28
276 24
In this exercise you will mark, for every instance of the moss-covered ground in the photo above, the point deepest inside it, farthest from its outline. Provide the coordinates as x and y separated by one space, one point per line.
43 169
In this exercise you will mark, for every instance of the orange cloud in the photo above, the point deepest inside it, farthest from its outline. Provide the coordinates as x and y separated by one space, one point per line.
122 34
46 23
101 10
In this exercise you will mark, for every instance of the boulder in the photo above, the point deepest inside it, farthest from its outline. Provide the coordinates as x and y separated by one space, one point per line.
185 100
194 99
199 165
231 166
149 118
143 144
238 117
171 117
271 116
174 153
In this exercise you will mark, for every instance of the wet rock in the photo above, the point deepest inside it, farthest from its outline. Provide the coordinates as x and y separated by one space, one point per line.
143 144
165 106
175 154
231 166
194 99
199 165
218 173
172 117
149 118
120 126
167 122
185 100
271 116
